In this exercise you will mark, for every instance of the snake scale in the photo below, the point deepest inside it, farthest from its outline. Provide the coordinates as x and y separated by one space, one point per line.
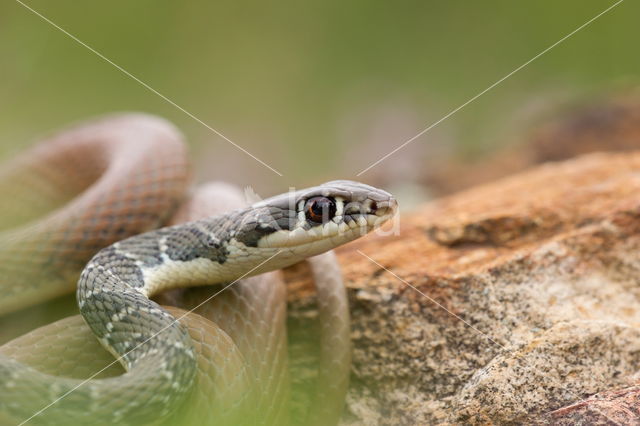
85 203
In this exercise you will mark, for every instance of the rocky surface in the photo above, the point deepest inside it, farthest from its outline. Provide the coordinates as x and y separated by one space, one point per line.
502 304
617 407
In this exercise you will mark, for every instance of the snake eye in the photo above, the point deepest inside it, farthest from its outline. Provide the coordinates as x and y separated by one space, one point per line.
320 209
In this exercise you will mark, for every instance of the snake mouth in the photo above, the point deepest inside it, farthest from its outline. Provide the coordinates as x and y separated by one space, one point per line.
375 213
386 209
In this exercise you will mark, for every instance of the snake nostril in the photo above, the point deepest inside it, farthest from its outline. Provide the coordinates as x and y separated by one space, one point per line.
384 208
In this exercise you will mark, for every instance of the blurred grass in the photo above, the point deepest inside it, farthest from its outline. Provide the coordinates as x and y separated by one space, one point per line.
284 79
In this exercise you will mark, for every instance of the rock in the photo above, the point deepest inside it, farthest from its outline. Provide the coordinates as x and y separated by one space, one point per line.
499 304
621 407
568 360
607 123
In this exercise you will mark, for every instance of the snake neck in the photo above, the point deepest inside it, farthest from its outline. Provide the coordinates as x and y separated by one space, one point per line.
114 289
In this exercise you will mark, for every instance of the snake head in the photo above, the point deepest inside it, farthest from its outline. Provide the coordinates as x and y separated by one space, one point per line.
313 220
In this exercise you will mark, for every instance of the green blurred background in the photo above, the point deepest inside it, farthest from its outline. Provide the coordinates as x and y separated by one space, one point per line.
317 90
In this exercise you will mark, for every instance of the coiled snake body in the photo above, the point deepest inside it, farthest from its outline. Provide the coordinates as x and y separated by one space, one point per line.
162 357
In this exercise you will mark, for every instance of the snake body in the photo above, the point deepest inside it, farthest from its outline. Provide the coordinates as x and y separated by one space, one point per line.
115 287
66 198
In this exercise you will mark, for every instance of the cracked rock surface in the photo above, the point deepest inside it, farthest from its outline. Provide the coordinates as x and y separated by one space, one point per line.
512 302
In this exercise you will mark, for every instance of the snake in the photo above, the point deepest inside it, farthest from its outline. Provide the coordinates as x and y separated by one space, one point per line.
87 212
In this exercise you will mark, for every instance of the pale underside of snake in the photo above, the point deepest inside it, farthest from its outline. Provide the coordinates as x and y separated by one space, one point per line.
81 194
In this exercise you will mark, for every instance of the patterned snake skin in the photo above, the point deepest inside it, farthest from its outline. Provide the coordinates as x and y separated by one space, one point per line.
164 376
